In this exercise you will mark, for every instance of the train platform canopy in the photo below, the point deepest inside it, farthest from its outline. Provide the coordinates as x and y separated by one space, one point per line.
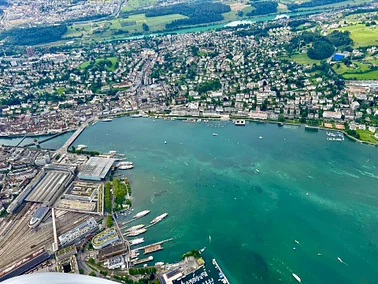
96 168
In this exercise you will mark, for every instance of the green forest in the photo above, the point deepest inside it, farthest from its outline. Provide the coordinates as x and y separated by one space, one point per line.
36 35
197 13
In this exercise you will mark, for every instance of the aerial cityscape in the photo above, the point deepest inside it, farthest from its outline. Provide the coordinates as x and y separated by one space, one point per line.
182 142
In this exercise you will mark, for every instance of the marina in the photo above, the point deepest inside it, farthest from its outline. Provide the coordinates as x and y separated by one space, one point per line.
222 277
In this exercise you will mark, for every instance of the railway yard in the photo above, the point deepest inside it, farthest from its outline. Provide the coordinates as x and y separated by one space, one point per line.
18 239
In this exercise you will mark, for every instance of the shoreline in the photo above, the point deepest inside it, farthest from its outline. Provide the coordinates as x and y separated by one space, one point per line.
216 118
262 121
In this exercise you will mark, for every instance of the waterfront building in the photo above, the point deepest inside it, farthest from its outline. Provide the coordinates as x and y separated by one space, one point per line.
96 168
105 238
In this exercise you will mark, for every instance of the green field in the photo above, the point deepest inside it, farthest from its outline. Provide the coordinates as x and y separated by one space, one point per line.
114 61
113 28
362 35
372 75
360 69
366 135
336 5
84 65
136 4
302 59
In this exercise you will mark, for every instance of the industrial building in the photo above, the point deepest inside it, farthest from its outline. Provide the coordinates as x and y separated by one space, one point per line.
96 168
79 232
51 183
105 238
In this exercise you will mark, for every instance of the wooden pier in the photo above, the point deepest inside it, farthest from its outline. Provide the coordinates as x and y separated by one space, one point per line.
152 248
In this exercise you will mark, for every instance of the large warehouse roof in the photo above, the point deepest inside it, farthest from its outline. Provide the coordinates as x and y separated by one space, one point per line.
96 168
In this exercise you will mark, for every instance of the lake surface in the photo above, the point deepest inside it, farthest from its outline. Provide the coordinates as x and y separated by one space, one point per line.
50 144
210 186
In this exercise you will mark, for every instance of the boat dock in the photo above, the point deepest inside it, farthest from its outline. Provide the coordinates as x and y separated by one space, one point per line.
124 224
147 259
150 225
224 279
152 248
155 244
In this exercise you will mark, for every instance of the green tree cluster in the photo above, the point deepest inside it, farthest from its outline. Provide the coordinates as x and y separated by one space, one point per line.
108 197
144 270
211 85
338 38
353 133
35 35
109 221
263 8
311 3
120 192
194 252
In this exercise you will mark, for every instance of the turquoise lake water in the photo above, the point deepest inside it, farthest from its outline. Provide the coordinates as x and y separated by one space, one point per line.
210 186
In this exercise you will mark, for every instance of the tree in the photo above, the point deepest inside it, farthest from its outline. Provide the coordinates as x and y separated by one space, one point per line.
92 274
145 27
81 270
109 221
91 261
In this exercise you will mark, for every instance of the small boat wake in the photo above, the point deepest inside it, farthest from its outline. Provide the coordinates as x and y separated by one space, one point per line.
341 261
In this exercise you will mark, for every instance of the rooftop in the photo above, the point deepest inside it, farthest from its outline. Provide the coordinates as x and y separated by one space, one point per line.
96 168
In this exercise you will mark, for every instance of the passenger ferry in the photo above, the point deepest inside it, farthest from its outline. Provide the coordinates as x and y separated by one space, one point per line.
141 214
159 218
